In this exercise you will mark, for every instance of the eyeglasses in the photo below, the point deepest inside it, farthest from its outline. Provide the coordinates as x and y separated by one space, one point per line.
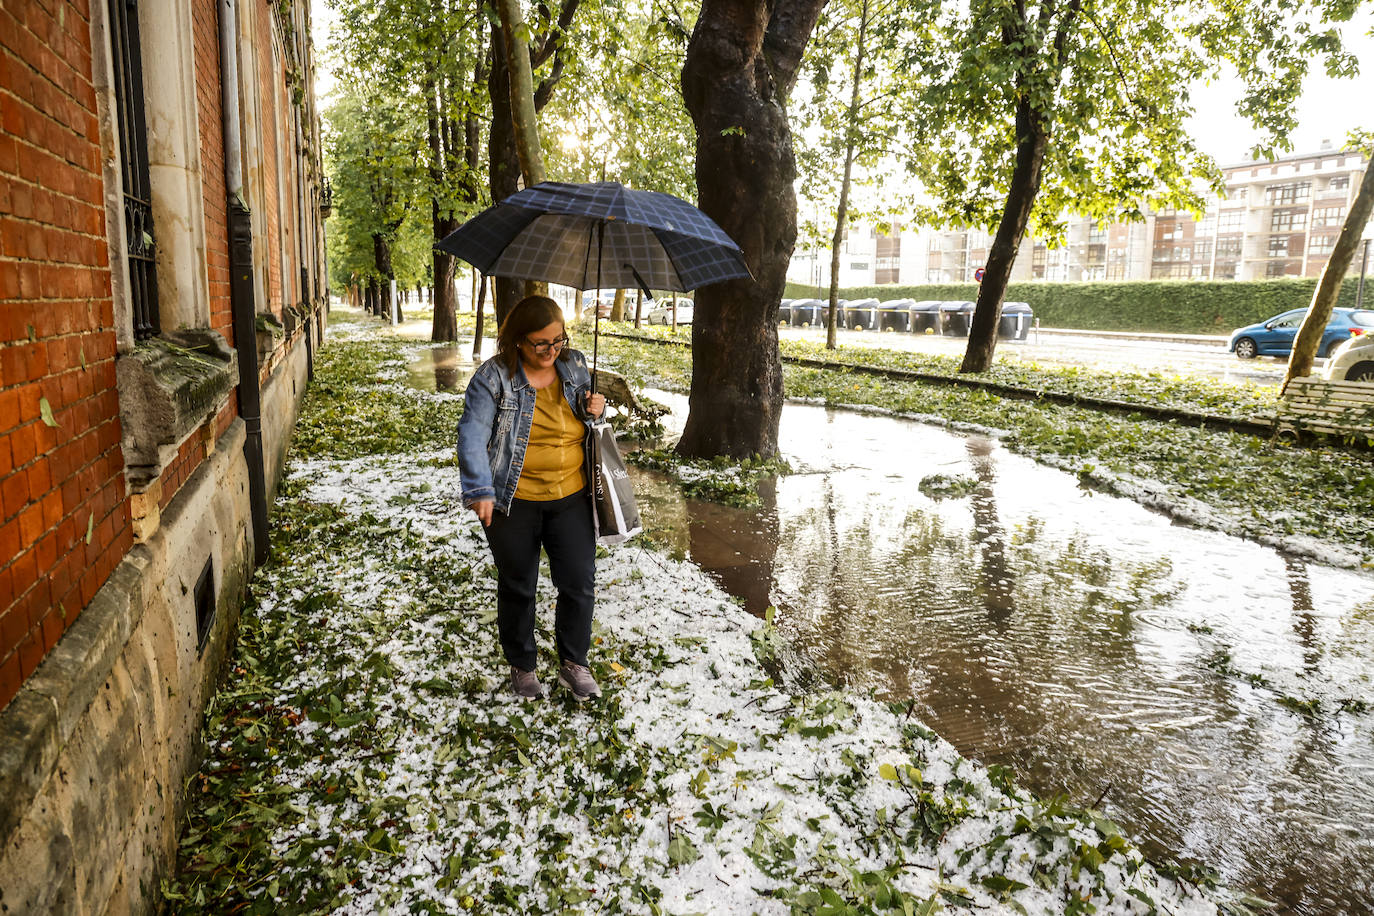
542 347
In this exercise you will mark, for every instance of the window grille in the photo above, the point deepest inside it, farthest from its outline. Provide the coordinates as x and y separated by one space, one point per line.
133 143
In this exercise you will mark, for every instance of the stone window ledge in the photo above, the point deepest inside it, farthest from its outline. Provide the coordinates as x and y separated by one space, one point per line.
168 387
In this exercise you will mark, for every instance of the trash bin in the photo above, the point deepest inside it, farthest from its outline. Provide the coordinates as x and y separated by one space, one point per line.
785 312
894 315
956 318
861 315
924 317
804 312
1015 323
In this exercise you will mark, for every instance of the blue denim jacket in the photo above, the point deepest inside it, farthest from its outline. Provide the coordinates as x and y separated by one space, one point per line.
498 411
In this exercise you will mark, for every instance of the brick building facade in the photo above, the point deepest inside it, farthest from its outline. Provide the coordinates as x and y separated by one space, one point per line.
161 291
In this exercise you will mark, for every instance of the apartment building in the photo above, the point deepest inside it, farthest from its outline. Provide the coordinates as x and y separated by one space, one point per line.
1278 219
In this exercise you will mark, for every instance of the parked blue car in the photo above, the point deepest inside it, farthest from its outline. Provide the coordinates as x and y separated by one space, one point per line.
1275 336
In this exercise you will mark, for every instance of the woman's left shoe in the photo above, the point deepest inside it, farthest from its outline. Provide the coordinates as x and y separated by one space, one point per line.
579 680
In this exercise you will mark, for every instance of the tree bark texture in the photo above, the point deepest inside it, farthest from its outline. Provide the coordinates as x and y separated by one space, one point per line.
741 64
520 76
1031 139
381 256
1324 297
503 161
445 324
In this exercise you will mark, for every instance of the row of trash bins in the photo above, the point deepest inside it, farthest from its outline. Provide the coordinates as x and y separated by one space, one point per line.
927 316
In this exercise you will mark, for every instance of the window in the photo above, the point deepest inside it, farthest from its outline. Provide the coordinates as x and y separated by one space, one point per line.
1328 216
1288 221
1339 183
1202 250
1277 269
133 147
1278 246
1229 248
1231 220
1290 193
1321 244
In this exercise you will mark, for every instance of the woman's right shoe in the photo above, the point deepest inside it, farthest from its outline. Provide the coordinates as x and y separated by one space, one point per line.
525 685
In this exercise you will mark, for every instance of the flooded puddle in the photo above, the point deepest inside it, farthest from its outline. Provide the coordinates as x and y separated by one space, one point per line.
1204 688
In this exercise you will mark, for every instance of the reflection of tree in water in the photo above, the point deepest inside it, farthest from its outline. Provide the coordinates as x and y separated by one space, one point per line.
999 588
449 371
1304 620
902 602
737 547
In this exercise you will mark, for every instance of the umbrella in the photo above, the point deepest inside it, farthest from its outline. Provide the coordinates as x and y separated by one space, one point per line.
587 235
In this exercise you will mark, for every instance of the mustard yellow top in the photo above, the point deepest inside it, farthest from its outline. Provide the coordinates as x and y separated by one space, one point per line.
553 459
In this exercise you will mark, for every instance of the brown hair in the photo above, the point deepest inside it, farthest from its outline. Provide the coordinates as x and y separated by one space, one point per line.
533 313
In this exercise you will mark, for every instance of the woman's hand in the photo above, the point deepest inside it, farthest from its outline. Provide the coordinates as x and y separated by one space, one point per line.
596 403
483 509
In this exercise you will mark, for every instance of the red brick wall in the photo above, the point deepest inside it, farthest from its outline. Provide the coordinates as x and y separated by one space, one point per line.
64 515
209 106
268 95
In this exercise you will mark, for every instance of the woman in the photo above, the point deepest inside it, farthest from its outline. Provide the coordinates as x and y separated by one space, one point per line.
520 463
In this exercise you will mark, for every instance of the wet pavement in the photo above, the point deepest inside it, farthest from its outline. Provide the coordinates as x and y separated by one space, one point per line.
1176 355
1205 689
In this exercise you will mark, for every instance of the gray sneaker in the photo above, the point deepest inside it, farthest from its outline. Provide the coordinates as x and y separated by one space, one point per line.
525 685
579 680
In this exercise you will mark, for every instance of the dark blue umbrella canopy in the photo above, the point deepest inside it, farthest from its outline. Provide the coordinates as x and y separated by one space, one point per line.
591 236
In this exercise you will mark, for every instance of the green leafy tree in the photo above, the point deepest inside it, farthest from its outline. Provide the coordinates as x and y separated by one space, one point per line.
1026 111
852 120
372 159
433 76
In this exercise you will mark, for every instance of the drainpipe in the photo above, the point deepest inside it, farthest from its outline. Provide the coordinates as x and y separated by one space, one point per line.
241 294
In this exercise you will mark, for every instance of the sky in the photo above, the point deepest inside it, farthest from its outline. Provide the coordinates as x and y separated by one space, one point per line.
1328 109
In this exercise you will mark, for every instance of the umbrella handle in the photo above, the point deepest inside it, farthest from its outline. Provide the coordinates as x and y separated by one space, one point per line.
596 302
640 280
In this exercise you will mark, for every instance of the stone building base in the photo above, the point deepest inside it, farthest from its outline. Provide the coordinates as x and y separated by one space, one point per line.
96 747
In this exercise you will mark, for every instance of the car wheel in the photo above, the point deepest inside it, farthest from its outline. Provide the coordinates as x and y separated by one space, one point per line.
1246 349
1360 372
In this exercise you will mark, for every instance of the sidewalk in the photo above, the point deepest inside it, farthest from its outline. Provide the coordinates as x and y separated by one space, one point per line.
1206 340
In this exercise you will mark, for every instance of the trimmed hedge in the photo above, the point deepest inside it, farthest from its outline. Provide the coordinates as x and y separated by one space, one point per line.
1165 306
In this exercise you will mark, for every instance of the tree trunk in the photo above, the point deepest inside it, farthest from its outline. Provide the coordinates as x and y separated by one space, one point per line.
445 323
503 160
524 118
1025 185
639 307
1328 288
381 256
842 211
741 64
618 306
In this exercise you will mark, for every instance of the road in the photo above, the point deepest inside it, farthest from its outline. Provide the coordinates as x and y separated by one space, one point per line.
1183 354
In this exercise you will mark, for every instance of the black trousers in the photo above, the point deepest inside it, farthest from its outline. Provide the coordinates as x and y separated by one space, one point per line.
563 527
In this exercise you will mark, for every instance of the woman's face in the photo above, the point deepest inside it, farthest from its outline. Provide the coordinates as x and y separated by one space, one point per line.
540 349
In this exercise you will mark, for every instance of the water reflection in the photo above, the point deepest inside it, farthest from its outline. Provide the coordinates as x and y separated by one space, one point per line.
1092 646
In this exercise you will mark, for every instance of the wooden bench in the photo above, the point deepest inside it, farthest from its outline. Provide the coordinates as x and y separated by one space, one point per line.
1315 406
618 391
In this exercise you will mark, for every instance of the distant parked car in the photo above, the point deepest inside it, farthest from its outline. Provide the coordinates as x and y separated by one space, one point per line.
662 312
1274 337
1351 361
